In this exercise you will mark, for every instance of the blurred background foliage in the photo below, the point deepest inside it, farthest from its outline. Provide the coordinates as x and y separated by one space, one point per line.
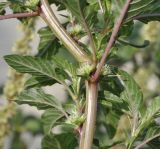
143 64
13 123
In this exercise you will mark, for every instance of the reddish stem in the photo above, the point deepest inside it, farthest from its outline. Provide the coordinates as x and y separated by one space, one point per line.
20 15
146 16
112 40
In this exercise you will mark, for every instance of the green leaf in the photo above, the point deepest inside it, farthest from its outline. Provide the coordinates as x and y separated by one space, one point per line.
110 81
152 131
50 142
112 84
62 141
83 10
35 66
49 119
126 29
112 101
18 6
147 121
150 135
37 97
67 128
68 67
140 8
123 88
70 70
132 93
38 82
152 112
73 6
154 134
48 45
31 3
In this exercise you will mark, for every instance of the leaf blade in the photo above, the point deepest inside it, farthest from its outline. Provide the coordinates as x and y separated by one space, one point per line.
61 141
37 97
34 66
49 119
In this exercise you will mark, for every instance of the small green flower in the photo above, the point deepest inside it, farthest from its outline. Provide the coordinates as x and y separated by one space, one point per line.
75 30
85 70
99 54
31 3
76 120
106 70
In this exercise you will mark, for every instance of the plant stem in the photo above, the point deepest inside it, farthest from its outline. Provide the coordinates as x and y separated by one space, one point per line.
100 5
145 44
91 111
19 15
146 16
146 141
112 40
91 40
50 18
129 145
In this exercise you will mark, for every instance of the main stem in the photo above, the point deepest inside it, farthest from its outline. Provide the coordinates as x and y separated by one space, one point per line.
91 112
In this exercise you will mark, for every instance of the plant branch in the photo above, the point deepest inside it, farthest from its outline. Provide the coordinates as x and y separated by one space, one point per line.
20 15
50 18
112 39
147 141
146 16
91 112
100 5
145 44
88 32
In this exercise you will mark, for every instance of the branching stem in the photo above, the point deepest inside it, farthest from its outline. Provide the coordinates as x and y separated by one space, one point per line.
90 36
112 40
50 18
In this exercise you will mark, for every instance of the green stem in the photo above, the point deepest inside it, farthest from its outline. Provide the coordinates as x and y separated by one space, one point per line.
50 18
129 145
91 111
